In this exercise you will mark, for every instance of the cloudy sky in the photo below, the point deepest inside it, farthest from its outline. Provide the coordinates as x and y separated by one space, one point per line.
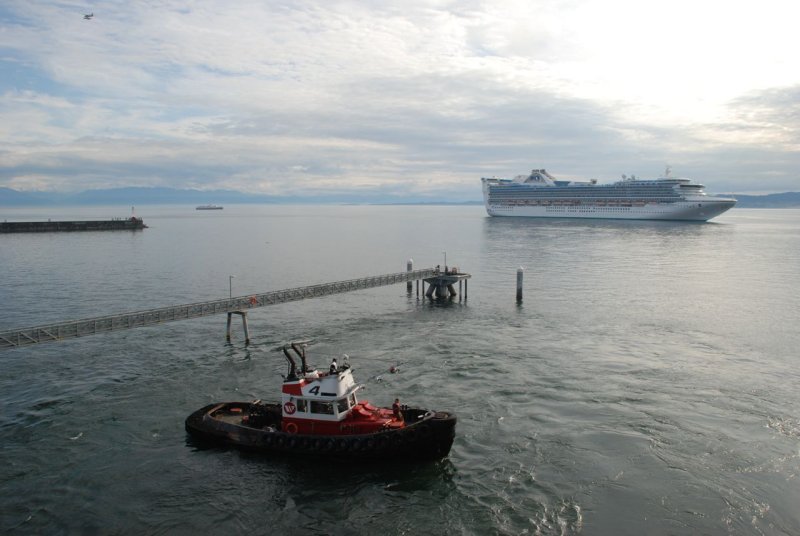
405 98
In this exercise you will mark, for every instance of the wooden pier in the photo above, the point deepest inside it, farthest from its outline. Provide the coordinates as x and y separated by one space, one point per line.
236 305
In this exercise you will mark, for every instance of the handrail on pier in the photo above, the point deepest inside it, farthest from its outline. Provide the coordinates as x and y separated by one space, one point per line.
91 326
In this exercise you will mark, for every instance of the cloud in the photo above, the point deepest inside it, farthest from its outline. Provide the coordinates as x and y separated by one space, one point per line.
774 113
424 98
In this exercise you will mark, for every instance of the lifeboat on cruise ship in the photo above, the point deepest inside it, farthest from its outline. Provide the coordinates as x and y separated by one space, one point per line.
320 413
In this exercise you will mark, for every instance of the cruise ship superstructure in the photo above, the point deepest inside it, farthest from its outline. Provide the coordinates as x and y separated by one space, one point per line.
541 195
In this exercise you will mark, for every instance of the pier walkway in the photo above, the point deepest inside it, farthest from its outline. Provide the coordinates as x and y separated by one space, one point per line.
102 324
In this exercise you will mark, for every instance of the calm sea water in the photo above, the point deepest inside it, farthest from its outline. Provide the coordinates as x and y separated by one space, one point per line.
646 385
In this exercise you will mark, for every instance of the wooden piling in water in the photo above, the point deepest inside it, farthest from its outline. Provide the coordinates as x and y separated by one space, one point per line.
409 268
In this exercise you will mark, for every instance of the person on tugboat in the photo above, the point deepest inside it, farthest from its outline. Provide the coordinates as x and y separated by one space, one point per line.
397 410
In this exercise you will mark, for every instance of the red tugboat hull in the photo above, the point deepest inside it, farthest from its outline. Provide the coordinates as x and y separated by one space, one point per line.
427 435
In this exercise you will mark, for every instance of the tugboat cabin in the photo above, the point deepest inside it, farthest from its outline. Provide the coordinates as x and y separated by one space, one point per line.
325 403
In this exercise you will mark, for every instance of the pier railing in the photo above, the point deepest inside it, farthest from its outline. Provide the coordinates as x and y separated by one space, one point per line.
102 324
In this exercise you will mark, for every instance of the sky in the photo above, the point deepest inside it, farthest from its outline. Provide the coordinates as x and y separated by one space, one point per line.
411 98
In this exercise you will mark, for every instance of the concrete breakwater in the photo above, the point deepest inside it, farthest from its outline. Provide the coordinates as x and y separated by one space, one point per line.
128 224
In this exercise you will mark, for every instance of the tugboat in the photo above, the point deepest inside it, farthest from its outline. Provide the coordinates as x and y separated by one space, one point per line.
319 413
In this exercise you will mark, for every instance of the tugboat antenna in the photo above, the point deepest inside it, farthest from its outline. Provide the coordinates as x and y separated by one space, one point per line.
292 365
302 354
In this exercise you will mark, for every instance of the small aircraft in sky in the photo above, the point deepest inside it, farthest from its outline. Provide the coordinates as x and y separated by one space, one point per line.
89 16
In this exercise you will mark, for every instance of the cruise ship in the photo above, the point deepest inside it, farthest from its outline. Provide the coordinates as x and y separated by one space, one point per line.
540 195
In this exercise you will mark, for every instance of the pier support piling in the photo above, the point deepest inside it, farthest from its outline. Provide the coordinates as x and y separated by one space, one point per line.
409 268
246 329
244 325
429 293
519 284
443 284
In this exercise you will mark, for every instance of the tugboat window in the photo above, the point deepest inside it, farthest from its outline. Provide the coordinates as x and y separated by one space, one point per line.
342 405
302 405
322 407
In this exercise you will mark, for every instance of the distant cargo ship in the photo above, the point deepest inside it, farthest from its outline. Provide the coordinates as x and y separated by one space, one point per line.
541 195
130 224
209 207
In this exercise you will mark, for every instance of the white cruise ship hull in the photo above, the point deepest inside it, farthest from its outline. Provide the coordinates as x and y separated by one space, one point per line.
681 210
540 195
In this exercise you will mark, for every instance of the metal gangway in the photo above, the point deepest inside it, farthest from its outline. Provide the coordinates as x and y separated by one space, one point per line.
236 305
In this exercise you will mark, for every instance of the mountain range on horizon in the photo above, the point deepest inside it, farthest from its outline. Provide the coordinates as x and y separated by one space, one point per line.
138 195
173 196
